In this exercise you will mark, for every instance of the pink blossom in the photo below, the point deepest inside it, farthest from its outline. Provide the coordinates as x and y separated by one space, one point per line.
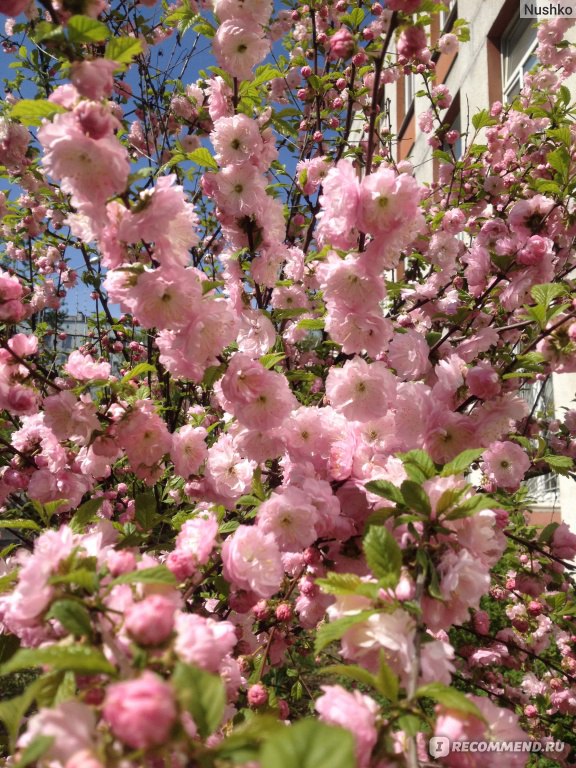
448 44
90 169
84 368
408 354
360 390
412 42
238 46
83 759
388 204
257 11
189 450
70 724
252 561
11 292
203 642
93 79
354 711
70 418
257 335
140 712
150 621
236 140
506 463
436 662
227 473
189 350
290 517
13 7
166 219
342 44
145 437
259 398
563 543
337 220
498 724
162 298
463 581
483 381
194 545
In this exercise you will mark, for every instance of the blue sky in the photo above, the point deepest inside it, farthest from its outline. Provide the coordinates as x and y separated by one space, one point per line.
168 54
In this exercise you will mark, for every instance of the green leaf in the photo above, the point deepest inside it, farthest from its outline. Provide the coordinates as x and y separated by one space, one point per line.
123 49
559 159
272 359
85 514
356 17
34 751
203 695
386 680
159 574
340 583
20 525
386 489
546 293
462 462
44 31
547 533
203 158
449 698
383 555
350 672
334 630
311 324
9 644
471 506
560 463
83 29
12 712
33 111
309 744
416 497
76 658
138 370
7 581
81 577
418 465
210 285
73 615
55 687
482 119
146 514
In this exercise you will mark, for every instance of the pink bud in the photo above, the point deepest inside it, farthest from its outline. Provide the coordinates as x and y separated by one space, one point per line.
257 695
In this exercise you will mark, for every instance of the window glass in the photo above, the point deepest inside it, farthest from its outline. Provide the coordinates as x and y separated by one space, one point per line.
445 15
544 489
518 56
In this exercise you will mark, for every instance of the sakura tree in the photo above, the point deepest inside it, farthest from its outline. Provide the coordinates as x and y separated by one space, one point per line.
273 511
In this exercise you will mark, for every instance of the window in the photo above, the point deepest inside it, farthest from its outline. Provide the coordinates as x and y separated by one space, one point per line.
446 14
518 56
409 90
540 399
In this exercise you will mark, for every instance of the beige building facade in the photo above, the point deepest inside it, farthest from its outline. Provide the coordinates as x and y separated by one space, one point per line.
490 67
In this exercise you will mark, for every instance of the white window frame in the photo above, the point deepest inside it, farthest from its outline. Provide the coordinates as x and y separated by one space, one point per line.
545 488
445 15
520 35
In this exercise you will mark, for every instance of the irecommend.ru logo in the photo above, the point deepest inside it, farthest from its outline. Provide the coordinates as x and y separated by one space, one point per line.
441 746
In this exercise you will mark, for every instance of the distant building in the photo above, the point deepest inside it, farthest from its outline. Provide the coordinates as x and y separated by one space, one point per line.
490 67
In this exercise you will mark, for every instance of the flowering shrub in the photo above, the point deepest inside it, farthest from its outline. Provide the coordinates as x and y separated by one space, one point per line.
273 511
